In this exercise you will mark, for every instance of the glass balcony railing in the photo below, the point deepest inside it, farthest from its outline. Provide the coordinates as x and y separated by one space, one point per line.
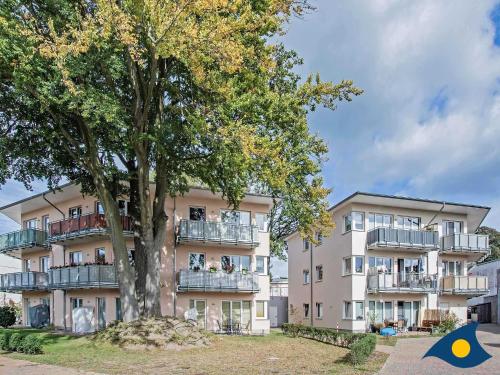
23 239
464 242
402 238
91 276
216 232
474 285
218 281
19 281
401 282
84 225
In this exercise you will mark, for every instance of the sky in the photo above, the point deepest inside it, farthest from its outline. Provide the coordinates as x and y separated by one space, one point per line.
428 123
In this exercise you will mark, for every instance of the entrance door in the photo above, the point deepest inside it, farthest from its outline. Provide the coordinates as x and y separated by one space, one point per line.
201 309
273 315
101 313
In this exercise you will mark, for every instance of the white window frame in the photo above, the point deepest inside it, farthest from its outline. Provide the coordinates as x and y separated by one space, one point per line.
265 264
353 265
319 310
318 268
193 301
45 223
419 219
306 312
319 238
265 223
446 267
41 260
374 215
344 308
222 211
264 302
383 317
30 223
353 310
198 253
70 256
354 222
455 222
304 279
240 263
73 210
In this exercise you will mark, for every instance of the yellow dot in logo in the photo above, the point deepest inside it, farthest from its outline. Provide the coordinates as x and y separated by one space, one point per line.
460 348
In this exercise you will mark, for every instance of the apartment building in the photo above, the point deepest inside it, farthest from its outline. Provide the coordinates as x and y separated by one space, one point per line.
214 260
389 258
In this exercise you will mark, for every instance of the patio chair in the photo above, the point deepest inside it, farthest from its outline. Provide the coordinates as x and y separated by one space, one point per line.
246 329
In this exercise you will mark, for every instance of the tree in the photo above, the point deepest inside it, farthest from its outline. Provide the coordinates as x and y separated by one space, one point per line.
494 242
113 92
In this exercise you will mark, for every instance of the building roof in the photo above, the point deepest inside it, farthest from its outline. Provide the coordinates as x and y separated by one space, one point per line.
70 190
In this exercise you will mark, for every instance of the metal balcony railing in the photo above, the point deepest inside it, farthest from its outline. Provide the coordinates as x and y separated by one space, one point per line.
23 239
84 225
464 284
402 238
213 231
401 281
91 276
19 281
464 242
219 281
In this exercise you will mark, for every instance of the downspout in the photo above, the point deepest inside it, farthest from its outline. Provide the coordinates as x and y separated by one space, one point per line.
437 260
311 311
175 260
49 202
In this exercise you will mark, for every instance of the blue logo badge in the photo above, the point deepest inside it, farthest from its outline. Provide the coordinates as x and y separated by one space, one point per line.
460 348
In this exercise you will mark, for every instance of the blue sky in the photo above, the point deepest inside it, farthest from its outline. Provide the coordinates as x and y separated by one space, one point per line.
428 124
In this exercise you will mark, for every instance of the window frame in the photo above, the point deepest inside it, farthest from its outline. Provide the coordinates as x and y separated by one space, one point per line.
304 273
444 227
198 208
375 226
306 310
306 245
231 256
265 222
204 260
45 223
264 310
353 222
319 272
27 224
97 249
353 271
78 211
353 304
264 258
319 310
41 260
70 256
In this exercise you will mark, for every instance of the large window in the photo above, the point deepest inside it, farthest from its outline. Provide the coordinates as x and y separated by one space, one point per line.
75 258
197 213
261 265
305 274
237 311
236 263
354 221
261 309
353 265
408 222
453 268
30 224
379 311
452 227
235 217
379 220
380 264
319 310
262 221
412 265
201 308
358 312
319 273
196 261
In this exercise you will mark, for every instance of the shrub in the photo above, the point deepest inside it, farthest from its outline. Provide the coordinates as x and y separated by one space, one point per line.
449 322
31 344
361 349
4 341
7 316
15 342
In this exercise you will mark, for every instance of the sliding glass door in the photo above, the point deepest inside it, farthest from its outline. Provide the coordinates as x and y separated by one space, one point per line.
409 311
237 312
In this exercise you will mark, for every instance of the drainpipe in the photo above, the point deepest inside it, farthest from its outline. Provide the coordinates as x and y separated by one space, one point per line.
311 311
64 309
175 260
49 202
437 260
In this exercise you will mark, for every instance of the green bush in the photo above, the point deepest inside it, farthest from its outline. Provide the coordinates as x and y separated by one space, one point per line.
7 316
4 341
361 349
31 344
449 322
15 342
361 344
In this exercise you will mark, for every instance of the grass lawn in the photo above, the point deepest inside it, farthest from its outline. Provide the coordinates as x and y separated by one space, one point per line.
275 353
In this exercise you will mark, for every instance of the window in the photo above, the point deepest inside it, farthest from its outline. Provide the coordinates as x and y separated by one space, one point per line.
260 309
306 310
379 220
131 257
75 258
347 310
319 238
319 273
75 212
44 264
262 221
235 217
30 224
358 310
307 245
319 310
354 221
378 311
357 261
76 302
118 305
261 265
408 222
452 227
99 209
197 213
238 311
100 255
235 263
123 207
412 266
380 264
200 306
196 261
45 223
360 307
453 268
305 273
27 265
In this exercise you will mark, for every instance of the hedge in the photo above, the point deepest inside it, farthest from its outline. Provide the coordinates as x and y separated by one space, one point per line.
4 341
360 344
29 344
15 342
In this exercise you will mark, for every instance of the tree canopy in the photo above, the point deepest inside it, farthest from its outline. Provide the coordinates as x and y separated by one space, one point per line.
494 237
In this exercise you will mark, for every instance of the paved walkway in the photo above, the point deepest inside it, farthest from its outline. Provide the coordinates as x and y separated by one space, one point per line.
407 356
10 366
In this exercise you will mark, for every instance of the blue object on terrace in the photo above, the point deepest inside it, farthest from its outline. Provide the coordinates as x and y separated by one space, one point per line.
388 331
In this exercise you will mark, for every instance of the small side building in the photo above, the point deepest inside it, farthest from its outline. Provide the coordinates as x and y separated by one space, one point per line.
278 302
487 306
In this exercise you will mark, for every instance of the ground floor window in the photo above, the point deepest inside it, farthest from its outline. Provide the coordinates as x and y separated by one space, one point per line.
380 311
354 310
118 304
260 309
201 308
237 312
306 310
319 310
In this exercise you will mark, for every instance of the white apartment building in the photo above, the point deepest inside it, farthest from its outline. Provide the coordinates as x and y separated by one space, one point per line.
389 258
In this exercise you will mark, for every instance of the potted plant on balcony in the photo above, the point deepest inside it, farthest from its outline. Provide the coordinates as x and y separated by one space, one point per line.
229 268
244 271
212 268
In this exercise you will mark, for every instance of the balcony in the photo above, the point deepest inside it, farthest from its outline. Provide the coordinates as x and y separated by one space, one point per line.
401 283
474 246
464 285
85 227
83 277
206 281
415 240
215 233
19 281
22 241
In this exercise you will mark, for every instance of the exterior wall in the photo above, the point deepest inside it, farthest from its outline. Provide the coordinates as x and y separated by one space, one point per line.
335 288
490 269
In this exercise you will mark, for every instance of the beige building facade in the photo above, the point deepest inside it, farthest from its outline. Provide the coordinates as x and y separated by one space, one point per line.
389 259
214 263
